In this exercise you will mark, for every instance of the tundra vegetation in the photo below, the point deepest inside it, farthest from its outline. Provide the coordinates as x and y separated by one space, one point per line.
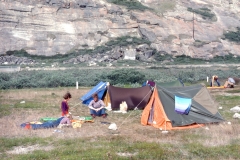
204 12
89 77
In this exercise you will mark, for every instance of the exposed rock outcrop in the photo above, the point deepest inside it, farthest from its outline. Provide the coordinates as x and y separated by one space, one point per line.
50 27
14 60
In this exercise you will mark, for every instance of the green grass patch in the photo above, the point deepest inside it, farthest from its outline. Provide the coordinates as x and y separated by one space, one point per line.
115 147
100 148
9 143
30 104
5 110
227 102
204 12
219 152
163 6
130 4
233 91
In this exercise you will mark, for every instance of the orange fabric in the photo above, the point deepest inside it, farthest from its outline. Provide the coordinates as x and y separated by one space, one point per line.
63 114
160 119
216 87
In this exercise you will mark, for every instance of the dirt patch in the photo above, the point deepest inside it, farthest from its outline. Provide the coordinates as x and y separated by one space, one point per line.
28 149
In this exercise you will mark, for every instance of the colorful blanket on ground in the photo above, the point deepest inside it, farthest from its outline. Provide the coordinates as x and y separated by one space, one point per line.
48 124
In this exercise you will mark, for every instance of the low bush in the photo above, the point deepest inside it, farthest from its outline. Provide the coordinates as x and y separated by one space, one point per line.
124 76
90 77
233 35
127 40
204 12
130 4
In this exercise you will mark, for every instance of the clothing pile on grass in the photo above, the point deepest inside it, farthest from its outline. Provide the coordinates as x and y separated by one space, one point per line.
236 111
48 122
51 123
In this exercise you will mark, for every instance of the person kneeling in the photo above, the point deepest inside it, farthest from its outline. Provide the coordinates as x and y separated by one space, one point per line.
97 107
229 83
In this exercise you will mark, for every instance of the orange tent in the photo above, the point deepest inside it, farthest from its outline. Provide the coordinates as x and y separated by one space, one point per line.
160 112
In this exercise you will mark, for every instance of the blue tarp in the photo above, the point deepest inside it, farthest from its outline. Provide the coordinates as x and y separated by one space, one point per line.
100 89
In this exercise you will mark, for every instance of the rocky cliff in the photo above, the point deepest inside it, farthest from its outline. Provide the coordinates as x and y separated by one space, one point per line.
50 27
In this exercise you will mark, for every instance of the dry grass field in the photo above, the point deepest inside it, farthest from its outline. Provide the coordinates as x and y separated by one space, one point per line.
45 102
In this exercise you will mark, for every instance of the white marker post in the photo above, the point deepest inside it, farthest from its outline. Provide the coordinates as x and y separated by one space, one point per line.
207 79
76 84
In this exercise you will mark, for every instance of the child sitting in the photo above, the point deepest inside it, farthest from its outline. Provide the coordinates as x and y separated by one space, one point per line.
66 121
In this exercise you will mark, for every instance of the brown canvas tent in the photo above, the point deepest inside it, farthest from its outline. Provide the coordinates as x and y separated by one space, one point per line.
160 111
136 98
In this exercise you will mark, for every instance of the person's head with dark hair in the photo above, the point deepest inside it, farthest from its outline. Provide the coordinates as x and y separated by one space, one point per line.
67 96
95 97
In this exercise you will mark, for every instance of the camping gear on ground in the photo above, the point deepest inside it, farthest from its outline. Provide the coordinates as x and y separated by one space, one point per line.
236 115
86 118
235 109
103 122
83 119
48 124
112 126
160 111
46 119
123 107
77 123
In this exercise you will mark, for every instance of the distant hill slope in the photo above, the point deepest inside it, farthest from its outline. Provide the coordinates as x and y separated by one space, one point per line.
48 27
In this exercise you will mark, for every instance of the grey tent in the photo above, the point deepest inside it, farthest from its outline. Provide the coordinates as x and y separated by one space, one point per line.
161 109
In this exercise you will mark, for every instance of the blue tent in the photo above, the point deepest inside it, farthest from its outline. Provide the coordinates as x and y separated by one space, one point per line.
100 89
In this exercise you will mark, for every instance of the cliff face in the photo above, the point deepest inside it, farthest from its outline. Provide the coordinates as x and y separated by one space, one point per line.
49 27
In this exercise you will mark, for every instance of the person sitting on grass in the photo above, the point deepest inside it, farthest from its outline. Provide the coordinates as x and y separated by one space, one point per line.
229 83
97 107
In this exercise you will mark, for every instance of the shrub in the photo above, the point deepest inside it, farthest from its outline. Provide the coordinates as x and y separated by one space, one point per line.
204 12
124 76
233 36
161 56
130 4
127 40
